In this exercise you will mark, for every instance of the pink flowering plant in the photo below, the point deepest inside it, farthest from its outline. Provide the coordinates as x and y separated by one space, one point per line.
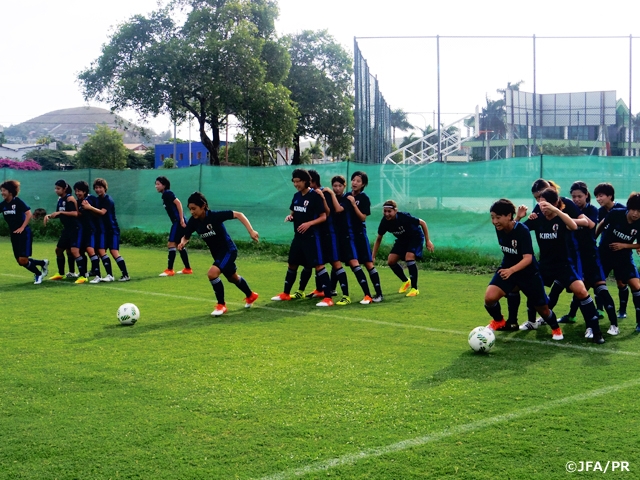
17 165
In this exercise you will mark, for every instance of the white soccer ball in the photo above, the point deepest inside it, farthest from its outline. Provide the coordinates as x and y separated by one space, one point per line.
481 339
128 314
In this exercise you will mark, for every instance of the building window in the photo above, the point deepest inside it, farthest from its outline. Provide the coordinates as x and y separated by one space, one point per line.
199 155
181 156
162 158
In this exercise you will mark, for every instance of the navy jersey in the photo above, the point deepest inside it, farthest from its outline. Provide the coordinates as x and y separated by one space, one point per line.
364 205
88 219
603 211
403 226
585 236
515 244
168 198
618 230
67 205
109 222
14 212
556 243
342 221
306 208
212 231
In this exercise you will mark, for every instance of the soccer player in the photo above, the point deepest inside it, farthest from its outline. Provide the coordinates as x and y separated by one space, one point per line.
89 222
518 270
344 233
108 236
329 241
619 236
590 259
71 236
605 196
410 233
210 226
361 210
559 263
173 206
307 212
17 214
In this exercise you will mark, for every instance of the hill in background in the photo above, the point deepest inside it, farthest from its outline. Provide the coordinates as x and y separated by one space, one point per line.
74 125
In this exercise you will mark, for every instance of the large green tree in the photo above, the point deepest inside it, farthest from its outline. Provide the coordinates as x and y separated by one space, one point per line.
104 149
207 58
50 159
320 84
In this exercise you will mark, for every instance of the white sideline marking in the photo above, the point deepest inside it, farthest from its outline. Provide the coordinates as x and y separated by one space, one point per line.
365 320
352 458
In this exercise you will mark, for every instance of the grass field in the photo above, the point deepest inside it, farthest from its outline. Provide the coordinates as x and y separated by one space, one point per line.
287 390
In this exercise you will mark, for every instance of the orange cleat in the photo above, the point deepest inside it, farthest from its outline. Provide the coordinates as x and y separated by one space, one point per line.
220 309
186 271
167 273
250 299
325 302
493 325
283 297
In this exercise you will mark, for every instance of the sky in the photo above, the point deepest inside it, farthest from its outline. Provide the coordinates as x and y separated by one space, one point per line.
46 44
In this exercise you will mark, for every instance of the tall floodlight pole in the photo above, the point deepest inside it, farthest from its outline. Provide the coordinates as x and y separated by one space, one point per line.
630 91
438 70
535 115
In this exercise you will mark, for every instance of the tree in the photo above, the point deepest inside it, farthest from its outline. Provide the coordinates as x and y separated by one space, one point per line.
104 149
137 161
49 159
207 58
321 86
398 119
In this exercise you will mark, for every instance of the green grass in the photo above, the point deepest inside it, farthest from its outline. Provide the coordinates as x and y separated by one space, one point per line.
285 388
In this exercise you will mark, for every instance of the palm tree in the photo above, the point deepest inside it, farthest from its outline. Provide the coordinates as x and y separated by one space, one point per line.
398 119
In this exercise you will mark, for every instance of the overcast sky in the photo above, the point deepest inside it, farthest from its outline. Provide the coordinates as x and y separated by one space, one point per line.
45 44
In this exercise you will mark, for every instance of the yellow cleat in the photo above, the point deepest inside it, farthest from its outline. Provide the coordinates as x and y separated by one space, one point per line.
57 276
81 280
405 286
413 292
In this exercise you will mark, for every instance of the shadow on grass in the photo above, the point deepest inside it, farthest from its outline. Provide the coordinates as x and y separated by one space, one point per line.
515 353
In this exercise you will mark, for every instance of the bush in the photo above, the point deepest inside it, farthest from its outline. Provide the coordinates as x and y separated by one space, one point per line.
19 165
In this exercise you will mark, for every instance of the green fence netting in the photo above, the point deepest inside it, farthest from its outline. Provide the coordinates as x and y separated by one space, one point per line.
453 199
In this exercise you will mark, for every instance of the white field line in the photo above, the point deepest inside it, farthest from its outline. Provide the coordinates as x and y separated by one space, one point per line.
364 320
349 459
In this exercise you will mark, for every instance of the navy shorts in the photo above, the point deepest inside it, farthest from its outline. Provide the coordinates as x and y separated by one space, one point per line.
529 284
622 270
306 251
402 247
330 252
226 261
88 240
565 274
108 241
346 249
69 239
21 243
176 233
363 248
592 269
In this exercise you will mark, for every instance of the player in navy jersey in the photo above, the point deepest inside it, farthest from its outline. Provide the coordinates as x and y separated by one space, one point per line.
361 210
605 196
619 236
592 271
88 221
342 222
173 206
513 299
108 235
410 233
518 270
71 236
307 212
17 214
209 225
559 261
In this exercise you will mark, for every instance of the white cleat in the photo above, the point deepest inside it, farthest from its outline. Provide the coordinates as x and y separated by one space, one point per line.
96 279
528 325
45 268
613 330
37 279
108 278
588 333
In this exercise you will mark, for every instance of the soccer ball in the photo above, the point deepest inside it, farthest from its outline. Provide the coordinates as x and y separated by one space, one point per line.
481 339
128 314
